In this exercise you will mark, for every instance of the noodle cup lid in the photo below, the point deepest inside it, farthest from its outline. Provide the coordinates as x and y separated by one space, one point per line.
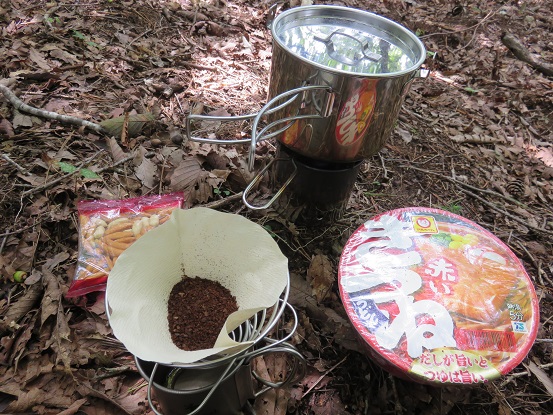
437 297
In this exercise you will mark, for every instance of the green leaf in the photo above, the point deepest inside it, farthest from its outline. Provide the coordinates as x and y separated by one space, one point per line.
471 90
78 35
89 174
66 167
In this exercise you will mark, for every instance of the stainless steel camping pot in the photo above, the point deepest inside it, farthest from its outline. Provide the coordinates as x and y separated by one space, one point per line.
338 79
188 391
359 66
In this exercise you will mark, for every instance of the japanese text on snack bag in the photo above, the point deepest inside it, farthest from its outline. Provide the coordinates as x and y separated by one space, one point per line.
389 270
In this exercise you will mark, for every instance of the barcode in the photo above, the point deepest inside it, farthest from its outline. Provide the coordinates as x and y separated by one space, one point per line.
503 341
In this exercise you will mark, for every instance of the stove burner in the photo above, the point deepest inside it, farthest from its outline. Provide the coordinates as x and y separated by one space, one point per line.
319 193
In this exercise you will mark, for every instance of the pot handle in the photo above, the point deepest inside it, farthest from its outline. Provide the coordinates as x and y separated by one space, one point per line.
280 346
419 73
271 13
324 112
258 177
191 117
297 370
363 53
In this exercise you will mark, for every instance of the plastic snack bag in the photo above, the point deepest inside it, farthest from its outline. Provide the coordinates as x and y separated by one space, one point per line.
108 227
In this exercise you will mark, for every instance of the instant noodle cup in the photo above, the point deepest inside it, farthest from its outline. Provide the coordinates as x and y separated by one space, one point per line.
437 298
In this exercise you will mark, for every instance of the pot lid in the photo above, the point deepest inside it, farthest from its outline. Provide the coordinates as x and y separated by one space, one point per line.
438 298
348 40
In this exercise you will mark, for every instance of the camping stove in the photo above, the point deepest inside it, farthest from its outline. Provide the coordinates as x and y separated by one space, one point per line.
319 191
338 80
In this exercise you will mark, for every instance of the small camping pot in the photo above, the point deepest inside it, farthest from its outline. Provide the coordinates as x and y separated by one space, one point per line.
338 79
223 389
358 66
182 391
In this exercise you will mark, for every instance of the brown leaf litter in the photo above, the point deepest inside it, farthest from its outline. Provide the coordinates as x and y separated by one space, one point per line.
474 138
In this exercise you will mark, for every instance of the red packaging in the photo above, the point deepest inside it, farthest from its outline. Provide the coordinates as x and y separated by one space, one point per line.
108 227
436 298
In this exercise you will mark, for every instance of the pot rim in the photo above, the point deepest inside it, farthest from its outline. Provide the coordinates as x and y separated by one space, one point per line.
358 12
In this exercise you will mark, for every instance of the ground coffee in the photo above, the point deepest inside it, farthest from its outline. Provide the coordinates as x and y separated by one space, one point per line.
197 310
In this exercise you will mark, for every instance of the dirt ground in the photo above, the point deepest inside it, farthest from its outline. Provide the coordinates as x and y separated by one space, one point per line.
474 138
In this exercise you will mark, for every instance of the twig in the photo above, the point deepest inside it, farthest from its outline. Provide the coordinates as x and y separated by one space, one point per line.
112 372
536 264
512 376
124 160
323 375
503 212
6 234
68 119
383 166
475 26
218 203
138 37
159 29
3 244
65 176
490 14
460 183
200 67
524 55
397 406
17 166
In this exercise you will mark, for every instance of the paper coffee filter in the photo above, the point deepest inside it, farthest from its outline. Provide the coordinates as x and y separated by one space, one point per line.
197 242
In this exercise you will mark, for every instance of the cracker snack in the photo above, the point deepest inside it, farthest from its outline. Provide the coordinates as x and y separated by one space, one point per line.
107 228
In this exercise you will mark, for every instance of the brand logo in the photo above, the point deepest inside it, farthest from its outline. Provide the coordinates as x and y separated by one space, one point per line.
355 114
424 224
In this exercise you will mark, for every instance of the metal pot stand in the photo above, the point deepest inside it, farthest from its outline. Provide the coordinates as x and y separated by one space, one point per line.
208 388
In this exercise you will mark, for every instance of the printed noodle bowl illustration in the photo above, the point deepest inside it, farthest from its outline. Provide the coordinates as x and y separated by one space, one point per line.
422 285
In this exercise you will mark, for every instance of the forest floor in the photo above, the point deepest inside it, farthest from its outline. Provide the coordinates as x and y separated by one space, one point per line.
474 138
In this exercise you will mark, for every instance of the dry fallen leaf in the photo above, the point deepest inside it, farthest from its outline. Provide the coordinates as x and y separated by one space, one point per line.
38 58
115 149
21 307
203 192
147 172
186 174
543 377
321 276
6 128
74 408
21 120
406 136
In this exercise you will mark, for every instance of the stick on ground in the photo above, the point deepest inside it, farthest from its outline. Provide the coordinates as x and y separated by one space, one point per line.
67 119
522 53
